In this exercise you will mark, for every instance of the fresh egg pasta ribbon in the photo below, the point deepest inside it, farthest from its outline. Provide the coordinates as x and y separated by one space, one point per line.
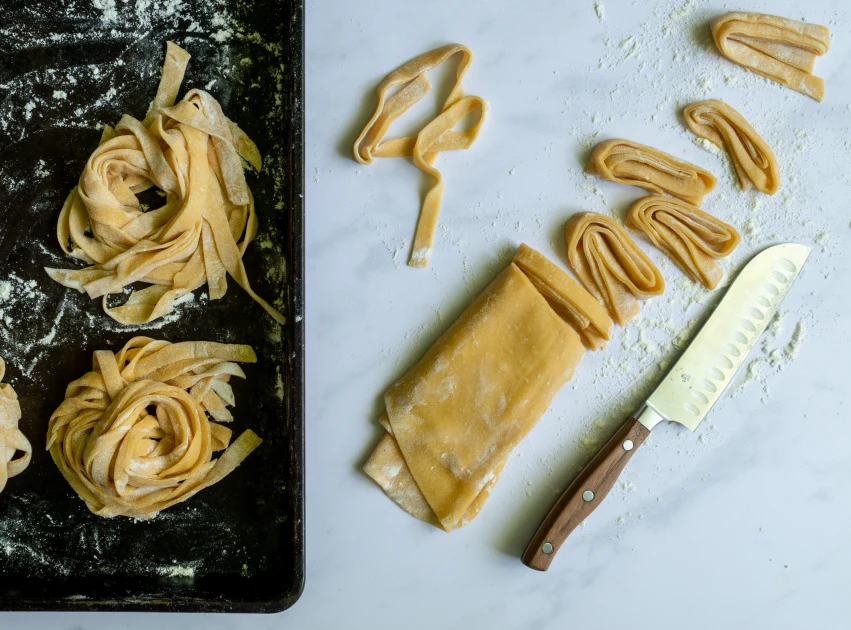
610 265
437 136
626 162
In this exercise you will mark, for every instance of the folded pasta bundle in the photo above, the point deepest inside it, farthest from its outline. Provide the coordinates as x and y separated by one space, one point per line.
727 129
12 440
777 48
691 238
626 162
610 264
453 419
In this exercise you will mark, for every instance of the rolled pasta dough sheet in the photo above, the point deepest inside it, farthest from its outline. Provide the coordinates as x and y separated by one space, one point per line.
453 419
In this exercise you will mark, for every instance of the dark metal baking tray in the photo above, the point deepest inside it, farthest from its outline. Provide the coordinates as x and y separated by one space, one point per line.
67 68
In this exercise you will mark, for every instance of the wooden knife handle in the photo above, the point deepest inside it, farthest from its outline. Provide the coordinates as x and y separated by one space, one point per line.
584 494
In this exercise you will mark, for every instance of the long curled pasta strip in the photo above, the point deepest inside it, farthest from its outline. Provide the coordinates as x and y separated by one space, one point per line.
437 136
12 440
777 48
192 152
690 237
727 129
610 265
627 162
132 436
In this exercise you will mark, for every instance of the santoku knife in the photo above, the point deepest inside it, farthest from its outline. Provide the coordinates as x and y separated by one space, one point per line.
686 394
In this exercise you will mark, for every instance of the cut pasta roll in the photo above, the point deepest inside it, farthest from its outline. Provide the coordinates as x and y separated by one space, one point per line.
691 238
777 48
727 129
627 162
610 265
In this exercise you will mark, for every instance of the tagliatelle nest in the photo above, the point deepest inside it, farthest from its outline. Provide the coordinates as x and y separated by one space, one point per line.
192 152
132 436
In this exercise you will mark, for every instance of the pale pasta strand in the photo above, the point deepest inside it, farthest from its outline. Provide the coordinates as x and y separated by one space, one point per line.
626 162
690 237
610 265
437 136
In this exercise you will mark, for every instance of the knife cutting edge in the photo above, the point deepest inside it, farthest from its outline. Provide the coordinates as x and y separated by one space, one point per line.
685 395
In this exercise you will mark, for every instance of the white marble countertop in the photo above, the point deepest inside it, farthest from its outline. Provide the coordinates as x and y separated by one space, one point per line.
740 525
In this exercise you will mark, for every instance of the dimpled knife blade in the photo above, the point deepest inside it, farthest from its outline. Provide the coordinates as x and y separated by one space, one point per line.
714 356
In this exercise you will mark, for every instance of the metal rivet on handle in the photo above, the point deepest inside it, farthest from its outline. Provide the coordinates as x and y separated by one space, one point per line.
627 446
588 495
547 548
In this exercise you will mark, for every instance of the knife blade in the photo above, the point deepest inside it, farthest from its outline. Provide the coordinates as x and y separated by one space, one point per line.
686 394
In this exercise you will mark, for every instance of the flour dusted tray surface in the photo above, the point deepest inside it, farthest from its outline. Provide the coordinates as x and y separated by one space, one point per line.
67 71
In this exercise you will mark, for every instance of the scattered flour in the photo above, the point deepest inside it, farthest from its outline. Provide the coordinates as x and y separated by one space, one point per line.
178 571
705 144
107 9
790 353
775 355
420 256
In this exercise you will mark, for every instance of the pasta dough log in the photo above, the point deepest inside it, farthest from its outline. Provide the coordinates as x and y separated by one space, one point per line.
12 440
575 305
610 265
777 48
453 419
727 129
690 237
626 162
193 153
437 136
132 436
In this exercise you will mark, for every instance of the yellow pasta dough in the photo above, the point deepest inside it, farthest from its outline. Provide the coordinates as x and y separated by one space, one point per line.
610 265
453 419
193 153
692 238
12 441
575 305
727 129
777 48
627 162
437 136
132 436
